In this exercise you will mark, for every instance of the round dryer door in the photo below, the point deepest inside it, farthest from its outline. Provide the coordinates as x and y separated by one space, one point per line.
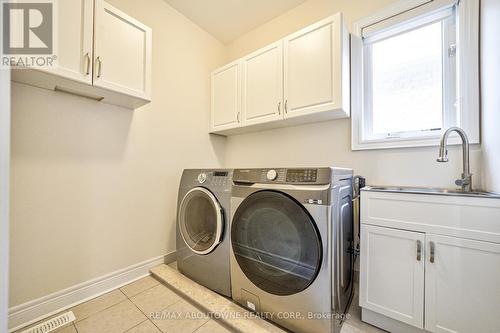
201 220
276 243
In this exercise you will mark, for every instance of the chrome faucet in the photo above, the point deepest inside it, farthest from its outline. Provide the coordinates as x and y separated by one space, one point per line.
466 181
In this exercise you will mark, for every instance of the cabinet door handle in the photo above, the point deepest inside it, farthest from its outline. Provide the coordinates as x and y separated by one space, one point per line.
286 106
99 70
419 250
279 107
238 117
433 251
87 63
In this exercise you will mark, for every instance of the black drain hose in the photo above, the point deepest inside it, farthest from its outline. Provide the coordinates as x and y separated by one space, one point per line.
358 183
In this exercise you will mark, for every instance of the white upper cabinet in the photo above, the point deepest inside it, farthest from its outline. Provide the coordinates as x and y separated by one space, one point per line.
102 54
300 79
316 66
461 285
122 52
395 264
262 88
226 97
74 38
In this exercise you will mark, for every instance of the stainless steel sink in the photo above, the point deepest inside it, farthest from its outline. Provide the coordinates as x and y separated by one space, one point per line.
432 191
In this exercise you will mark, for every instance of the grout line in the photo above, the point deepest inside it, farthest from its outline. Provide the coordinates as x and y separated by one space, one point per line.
204 309
126 300
130 297
77 320
120 289
190 301
196 330
147 317
178 301
142 322
99 312
159 329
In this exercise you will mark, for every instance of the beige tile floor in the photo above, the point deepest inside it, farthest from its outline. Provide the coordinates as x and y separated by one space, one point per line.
128 309
148 306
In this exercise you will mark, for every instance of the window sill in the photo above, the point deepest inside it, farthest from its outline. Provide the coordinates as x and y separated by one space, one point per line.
408 143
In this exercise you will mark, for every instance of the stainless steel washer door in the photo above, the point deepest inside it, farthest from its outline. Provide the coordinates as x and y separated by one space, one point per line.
276 243
201 220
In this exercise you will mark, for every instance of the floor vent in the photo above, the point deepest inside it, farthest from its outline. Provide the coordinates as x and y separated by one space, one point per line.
52 324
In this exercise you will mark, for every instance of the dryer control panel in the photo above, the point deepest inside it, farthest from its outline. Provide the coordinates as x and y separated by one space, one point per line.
300 176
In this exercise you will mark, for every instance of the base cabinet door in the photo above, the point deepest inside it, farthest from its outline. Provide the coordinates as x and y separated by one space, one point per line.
392 273
462 285
122 52
262 86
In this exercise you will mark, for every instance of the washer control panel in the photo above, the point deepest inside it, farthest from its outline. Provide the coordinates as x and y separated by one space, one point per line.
273 175
302 176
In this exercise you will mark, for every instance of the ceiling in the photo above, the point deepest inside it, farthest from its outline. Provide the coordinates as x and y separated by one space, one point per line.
227 20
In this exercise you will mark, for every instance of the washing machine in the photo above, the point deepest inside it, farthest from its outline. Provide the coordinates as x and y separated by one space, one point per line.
203 228
291 245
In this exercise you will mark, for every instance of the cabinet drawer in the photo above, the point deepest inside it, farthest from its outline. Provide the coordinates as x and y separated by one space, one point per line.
466 217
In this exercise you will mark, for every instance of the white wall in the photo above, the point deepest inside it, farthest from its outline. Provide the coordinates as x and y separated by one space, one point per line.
94 187
490 82
328 143
4 195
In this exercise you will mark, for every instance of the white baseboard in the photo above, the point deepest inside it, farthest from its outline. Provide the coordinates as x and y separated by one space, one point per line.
30 312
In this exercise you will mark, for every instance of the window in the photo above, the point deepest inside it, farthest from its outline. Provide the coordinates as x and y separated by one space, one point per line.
406 70
410 78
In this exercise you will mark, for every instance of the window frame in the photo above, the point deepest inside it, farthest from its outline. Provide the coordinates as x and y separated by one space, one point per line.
449 77
466 88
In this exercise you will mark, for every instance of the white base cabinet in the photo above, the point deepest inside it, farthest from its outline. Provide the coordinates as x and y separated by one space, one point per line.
462 290
300 79
433 278
394 280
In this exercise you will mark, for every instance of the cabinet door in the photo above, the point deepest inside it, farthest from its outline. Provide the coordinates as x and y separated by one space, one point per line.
462 290
392 273
226 97
122 52
74 40
314 73
262 86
